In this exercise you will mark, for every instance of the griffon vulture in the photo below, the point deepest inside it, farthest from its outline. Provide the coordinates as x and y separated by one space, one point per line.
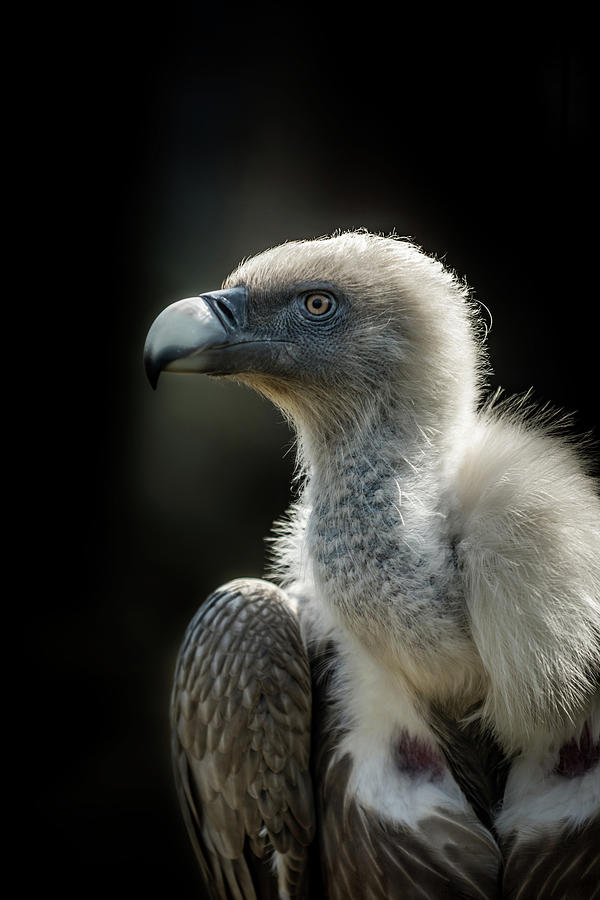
411 708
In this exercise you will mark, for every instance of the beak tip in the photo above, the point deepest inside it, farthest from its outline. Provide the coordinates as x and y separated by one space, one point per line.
152 371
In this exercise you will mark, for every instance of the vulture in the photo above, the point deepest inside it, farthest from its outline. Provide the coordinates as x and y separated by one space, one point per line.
410 706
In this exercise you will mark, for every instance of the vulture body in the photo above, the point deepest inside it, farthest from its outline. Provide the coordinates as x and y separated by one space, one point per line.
411 707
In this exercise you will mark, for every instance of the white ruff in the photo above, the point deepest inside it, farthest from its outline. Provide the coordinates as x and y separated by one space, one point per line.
534 799
537 797
377 711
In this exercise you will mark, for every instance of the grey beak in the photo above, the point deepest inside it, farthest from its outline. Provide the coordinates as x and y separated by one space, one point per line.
181 337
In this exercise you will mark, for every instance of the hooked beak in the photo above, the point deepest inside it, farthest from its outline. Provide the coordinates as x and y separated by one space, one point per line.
198 334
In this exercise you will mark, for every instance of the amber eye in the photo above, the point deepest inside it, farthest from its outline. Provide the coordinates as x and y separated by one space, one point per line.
318 304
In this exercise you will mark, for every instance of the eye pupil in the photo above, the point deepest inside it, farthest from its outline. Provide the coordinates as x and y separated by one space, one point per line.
317 304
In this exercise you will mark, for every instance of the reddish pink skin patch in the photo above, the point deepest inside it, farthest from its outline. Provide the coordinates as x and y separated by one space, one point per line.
578 757
415 756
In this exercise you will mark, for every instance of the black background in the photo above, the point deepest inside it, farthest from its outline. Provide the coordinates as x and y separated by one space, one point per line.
162 147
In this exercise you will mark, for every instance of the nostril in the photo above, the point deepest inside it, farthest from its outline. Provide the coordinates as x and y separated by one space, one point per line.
225 313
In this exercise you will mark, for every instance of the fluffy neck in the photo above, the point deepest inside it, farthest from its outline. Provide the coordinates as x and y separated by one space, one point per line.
380 543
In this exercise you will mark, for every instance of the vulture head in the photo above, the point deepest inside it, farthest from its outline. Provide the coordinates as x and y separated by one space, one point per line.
351 328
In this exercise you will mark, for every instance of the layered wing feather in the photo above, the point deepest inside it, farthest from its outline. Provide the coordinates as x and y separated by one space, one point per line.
445 855
561 863
240 713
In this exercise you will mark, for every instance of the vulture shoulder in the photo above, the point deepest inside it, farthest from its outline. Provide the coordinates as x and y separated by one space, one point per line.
241 725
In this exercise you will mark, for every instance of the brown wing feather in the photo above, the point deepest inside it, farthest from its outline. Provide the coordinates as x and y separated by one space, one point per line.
365 857
476 761
240 716
557 864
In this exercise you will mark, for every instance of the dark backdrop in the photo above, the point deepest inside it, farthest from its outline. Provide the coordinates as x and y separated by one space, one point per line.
168 145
